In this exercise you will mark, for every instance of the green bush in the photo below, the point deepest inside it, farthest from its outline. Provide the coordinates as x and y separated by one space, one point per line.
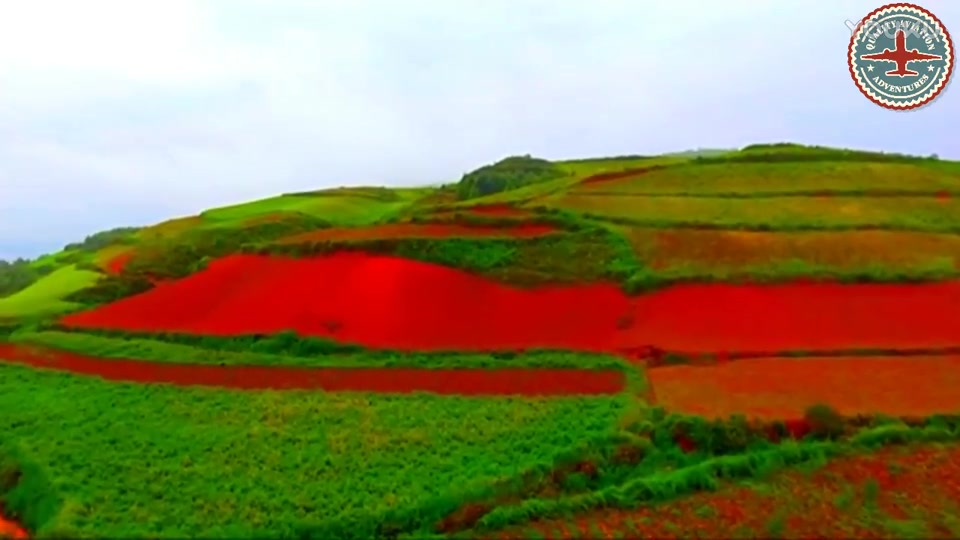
506 174
825 422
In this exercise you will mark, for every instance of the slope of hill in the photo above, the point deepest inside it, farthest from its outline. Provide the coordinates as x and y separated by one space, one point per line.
541 339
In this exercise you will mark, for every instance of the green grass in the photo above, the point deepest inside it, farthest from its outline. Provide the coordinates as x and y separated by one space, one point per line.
340 209
44 297
119 460
288 350
773 213
766 179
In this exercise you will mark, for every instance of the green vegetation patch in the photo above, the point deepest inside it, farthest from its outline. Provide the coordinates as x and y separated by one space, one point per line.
288 349
121 460
507 174
590 254
359 208
48 295
705 474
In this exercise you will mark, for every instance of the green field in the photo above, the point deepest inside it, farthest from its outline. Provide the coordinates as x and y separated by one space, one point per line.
119 460
45 296
347 208
764 179
770 213
81 457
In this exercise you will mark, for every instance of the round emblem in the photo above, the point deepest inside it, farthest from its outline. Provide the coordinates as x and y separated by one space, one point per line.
900 56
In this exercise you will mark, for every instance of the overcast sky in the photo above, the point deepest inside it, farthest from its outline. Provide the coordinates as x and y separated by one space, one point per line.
129 112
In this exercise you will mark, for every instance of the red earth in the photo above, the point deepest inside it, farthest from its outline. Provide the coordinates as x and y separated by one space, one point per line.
772 388
464 382
798 316
498 210
116 264
377 301
395 303
417 230
9 529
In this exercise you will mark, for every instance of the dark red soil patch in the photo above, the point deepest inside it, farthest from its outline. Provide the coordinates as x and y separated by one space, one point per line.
772 388
506 381
499 210
117 263
606 177
944 195
390 302
418 230
376 301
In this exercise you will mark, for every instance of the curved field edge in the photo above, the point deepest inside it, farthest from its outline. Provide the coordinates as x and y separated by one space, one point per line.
380 445
705 475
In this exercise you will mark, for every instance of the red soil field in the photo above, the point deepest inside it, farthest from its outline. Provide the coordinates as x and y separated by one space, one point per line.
797 316
771 388
9 529
389 302
465 382
916 486
606 177
377 301
417 230
117 263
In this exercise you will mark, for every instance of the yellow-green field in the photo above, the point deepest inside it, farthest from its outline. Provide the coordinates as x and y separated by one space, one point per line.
768 213
757 179
45 297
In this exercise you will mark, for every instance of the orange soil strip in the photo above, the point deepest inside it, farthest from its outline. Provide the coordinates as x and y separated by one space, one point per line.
499 210
472 382
921 484
417 230
772 388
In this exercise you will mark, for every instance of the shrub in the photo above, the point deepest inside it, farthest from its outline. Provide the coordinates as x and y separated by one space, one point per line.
825 422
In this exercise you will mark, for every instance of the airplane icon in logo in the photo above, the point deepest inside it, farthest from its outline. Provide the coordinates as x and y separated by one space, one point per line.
901 56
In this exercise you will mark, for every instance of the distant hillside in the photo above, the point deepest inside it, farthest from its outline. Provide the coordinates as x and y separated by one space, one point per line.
507 174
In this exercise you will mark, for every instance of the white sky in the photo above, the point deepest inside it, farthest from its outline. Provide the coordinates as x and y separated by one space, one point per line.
128 112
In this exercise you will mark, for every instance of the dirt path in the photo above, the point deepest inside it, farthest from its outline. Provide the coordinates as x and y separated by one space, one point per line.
472 382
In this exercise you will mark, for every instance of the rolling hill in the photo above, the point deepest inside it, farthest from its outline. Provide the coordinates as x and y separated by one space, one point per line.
545 348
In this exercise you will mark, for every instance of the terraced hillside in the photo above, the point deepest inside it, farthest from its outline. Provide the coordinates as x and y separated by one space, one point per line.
561 349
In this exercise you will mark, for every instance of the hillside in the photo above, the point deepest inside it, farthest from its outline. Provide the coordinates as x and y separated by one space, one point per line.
541 348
